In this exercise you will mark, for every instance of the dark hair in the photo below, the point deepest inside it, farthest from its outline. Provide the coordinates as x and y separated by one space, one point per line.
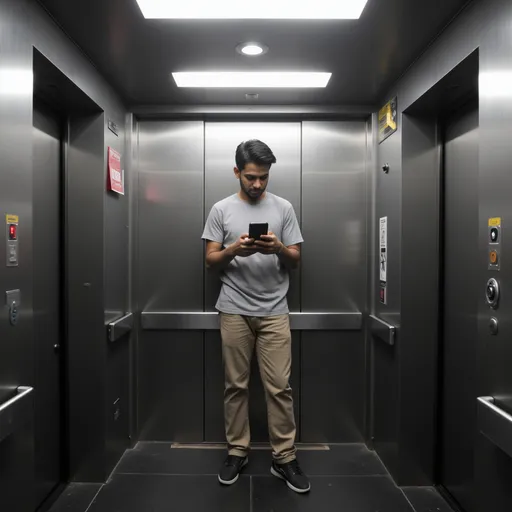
254 152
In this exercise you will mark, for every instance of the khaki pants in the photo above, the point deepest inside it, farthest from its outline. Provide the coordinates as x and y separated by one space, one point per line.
271 337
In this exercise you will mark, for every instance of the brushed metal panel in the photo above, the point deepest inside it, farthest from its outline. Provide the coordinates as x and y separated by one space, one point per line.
461 293
210 321
214 392
333 273
333 379
385 369
221 141
420 256
117 402
49 302
17 470
86 358
16 347
116 233
386 404
171 160
171 386
334 216
25 25
495 182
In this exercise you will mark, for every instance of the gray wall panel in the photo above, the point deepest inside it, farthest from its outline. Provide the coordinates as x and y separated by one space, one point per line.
171 386
460 288
385 365
116 236
221 141
23 26
170 276
48 300
334 217
170 215
469 31
16 347
332 397
495 183
118 400
418 343
86 340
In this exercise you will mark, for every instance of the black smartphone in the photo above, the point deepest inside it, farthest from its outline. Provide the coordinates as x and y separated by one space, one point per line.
257 229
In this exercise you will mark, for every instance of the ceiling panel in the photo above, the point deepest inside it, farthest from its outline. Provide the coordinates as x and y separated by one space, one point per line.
365 56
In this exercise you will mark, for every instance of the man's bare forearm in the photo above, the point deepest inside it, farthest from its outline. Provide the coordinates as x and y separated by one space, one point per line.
217 260
289 257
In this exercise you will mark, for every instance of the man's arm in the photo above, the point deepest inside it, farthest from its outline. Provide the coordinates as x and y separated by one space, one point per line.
289 256
218 258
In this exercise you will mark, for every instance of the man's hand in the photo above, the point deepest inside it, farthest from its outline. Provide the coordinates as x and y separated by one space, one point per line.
243 247
269 244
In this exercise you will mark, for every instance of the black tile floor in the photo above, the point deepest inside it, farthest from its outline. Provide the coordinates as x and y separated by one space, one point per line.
156 477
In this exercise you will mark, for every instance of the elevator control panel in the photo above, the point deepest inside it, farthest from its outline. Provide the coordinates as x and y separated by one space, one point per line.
492 288
494 240
12 240
13 301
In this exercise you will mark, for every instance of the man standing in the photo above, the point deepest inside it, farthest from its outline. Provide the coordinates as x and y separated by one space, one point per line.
254 310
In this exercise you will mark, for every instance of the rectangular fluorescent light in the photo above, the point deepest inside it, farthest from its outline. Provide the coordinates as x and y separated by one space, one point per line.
252 80
262 9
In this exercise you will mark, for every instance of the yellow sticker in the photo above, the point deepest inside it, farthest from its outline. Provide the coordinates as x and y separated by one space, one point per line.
495 222
12 219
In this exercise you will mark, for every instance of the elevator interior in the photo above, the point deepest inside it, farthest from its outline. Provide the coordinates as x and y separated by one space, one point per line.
110 359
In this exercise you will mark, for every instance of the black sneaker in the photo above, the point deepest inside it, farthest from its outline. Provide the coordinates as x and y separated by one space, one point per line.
230 471
293 476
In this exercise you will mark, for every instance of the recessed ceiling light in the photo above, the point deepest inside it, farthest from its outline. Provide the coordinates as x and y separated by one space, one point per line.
252 49
253 79
266 9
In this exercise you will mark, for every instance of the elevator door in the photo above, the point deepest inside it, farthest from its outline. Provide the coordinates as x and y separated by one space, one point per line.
459 309
48 311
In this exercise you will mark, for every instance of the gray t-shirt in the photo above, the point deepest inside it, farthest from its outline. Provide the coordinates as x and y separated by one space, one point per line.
256 285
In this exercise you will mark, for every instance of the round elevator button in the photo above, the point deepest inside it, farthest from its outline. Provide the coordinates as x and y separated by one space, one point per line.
493 257
492 293
494 234
493 326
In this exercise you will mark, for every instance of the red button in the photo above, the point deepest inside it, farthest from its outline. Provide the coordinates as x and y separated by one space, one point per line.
13 231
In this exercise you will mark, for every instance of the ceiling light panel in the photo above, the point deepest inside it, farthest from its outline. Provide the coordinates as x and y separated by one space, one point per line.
253 80
263 9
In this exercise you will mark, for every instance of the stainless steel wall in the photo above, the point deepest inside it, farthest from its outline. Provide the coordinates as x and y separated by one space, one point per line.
333 277
467 33
25 26
170 276
321 168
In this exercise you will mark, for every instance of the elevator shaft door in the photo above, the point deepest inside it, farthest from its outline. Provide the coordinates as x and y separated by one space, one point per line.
460 296
48 312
